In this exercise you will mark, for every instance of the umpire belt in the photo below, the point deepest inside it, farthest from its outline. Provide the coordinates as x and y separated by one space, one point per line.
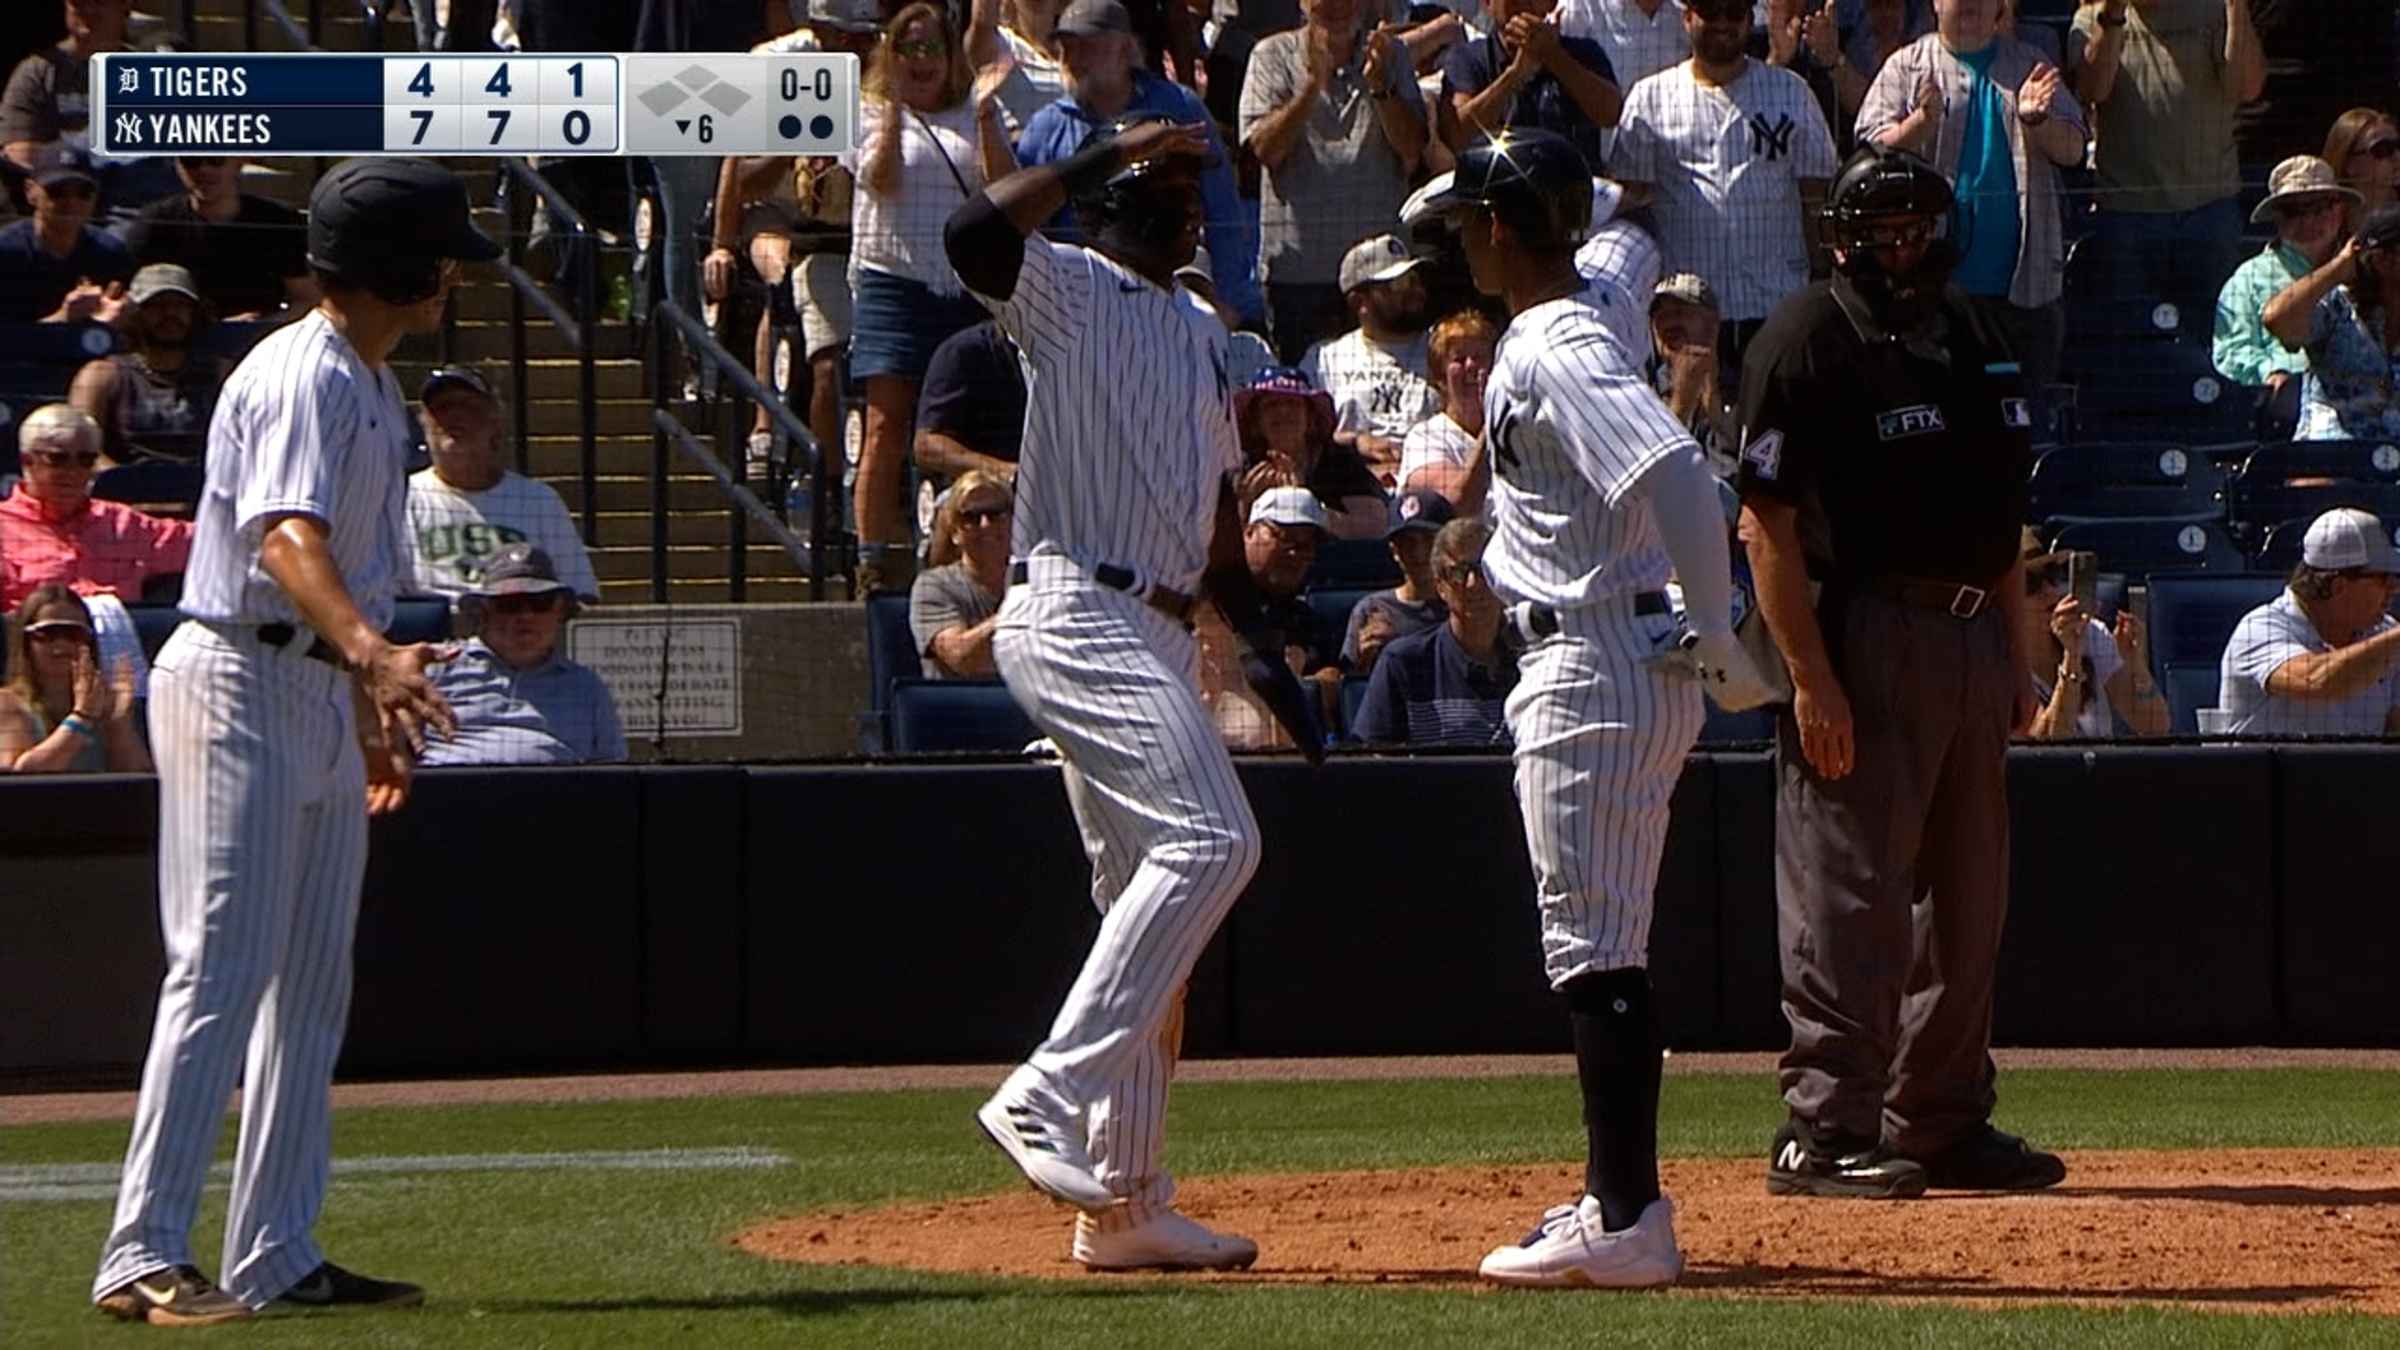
1956 599
281 636
1537 621
1166 600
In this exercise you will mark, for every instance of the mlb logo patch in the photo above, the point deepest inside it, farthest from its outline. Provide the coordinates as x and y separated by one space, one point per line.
2016 412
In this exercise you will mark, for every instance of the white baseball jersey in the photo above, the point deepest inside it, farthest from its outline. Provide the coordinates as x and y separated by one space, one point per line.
1623 264
1378 389
1726 164
1569 428
1638 45
1128 415
302 427
452 532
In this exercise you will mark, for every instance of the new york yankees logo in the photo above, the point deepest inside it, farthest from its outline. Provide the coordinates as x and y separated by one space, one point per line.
1384 400
1504 450
1772 141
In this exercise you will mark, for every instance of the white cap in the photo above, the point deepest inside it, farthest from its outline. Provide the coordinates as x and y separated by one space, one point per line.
2346 538
1289 506
1380 258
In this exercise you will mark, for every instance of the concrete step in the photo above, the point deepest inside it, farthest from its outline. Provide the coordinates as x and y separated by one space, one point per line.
487 340
551 378
698 562
780 590
631 529
559 453
630 493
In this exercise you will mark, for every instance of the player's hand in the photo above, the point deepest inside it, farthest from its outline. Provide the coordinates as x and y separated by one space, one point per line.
1822 713
1160 140
716 273
1823 33
2069 624
406 703
389 769
1277 687
2038 95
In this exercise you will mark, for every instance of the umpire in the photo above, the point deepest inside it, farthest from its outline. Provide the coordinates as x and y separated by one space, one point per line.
1883 471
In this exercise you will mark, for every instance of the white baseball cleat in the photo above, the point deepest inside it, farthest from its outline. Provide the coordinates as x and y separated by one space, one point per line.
1167 1242
1569 1250
1043 1136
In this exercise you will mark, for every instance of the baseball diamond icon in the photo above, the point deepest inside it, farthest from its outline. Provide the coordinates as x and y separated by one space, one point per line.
693 82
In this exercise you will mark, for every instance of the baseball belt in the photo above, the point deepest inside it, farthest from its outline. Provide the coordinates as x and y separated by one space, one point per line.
1166 600
1537 621
280 636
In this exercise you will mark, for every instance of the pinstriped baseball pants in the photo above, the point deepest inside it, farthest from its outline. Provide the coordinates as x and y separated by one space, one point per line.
1171 838
1600 742
262 848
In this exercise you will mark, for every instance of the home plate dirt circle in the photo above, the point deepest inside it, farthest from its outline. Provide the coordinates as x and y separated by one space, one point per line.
2263 1231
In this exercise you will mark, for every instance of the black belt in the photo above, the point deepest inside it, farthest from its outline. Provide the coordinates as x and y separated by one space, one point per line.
1956 599
1541 620
280 635
1172 603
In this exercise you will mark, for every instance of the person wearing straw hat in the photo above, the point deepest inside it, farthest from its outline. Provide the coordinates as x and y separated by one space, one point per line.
2305 201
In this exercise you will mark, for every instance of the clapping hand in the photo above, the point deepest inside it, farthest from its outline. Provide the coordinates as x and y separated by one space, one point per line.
1824 36
2038 95
1387 60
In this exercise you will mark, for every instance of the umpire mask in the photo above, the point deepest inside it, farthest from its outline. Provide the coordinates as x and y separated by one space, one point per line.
1886 203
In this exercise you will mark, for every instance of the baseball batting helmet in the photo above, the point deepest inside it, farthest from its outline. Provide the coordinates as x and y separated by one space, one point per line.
1880 182
1536 181
1130 199
385 225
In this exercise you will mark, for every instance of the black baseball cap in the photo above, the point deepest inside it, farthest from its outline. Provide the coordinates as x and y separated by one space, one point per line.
519 569
374 210
460 377
1419 509
60 167
2382 227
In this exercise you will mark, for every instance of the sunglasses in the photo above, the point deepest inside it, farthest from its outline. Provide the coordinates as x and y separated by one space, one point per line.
1460 573
539 602
2383 149
58 630
984 514
920 47
2302 210
59 459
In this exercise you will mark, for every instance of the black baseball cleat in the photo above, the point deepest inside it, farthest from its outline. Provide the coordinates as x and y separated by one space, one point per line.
1992 1160
179 1296
1841 1170
330 1286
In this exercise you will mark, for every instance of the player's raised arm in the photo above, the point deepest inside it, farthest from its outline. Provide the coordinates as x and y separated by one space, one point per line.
986 235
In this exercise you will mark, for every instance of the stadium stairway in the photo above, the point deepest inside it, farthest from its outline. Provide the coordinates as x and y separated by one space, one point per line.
698 552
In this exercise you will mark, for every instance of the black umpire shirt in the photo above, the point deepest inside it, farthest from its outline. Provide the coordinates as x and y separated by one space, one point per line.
1907 458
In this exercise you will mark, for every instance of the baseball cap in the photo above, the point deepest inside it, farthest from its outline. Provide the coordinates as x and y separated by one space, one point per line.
373 208
2347 538
2299 176
1420 509
1688 287
848 16
163 279
65 166
2382 229
1088 18
1288 506
463 377
1378 259
519 569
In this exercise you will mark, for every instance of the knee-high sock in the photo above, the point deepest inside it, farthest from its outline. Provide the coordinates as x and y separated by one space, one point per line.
1617 1063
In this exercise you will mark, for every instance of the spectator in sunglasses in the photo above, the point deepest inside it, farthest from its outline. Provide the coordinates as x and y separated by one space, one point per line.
52 531
54 267
2364 150
955 602
2308 204
57 713
518 698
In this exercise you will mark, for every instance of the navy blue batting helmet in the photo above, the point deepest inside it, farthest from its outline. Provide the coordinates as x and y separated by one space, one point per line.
1535 180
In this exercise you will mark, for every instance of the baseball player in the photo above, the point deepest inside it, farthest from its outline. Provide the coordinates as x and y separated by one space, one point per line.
1595 491
281 718
1124 500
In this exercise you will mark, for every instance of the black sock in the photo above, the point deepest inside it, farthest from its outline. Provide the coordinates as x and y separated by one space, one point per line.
1617 1062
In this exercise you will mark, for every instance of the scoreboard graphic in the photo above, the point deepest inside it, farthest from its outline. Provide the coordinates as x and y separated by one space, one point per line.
323 103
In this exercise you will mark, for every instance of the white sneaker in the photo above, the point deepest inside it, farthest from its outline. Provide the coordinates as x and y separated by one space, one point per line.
1168 1242
1570 1250
1043 1135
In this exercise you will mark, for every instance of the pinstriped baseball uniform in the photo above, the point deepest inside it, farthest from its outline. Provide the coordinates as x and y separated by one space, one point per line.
262 819
1623 263
1600 736
1128 439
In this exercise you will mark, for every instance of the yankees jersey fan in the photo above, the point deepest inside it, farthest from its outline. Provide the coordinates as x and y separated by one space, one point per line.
1726 163
1571 428
1129 415
1623 264
303 427
1378 389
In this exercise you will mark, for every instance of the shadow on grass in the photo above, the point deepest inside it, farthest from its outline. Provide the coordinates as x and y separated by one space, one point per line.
1834 1282
807 1302
2242 1195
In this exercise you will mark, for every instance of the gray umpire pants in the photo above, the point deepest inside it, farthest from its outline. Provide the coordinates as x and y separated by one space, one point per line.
1892 883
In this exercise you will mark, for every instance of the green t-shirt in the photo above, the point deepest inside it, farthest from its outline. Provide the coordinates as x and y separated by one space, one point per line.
2165 135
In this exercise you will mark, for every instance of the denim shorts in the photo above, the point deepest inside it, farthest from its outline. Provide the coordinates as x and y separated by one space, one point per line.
896 323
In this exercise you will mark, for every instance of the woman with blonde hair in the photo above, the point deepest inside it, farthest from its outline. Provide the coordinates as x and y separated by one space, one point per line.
2364 149
955 602
57 714
933 139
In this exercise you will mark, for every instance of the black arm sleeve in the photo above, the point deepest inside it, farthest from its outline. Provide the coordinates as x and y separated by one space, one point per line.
985 248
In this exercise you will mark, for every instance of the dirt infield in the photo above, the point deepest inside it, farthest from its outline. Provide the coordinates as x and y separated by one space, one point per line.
2255 1231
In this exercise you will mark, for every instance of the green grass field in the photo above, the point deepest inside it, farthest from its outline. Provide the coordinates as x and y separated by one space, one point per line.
626 1259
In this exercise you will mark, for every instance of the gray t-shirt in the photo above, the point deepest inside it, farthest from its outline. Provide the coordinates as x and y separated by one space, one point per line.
942 598
1405 619
1342 180
2270 635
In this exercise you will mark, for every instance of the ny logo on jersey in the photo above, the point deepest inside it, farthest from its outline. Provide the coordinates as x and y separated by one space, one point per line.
1772 141
1504 443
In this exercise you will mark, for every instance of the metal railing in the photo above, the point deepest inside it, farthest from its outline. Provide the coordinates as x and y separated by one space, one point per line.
668 323
581 328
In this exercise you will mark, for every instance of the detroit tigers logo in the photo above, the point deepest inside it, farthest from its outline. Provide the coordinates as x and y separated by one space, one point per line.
1771 141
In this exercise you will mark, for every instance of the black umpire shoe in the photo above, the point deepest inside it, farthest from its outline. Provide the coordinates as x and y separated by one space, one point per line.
176 1297
1991 1160
330 1286
1849 1171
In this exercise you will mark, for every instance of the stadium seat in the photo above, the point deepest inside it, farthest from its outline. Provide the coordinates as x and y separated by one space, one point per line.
932 716
1353 564
2276 463
2254 508
2127 478
2278 549
1724 728
2166 389
2139 546
1332 606
1354 697
154 624
159 486
420 618
2189 689
2192 616
891 657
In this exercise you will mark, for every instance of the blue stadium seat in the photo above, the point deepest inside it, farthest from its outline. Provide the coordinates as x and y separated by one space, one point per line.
2254 508
2139 546
2274 463
420 618
168 487
891 656
1354 697
2278 548
1332 606
1724 728
2188 688
2192 615
2125 478
932 716
2166 389
1353 564
154 624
